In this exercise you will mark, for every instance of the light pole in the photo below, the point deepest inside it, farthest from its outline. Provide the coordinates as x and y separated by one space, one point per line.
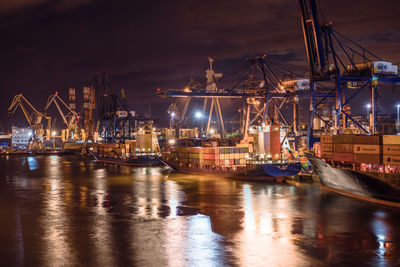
172 120
368 106
398 117
198 115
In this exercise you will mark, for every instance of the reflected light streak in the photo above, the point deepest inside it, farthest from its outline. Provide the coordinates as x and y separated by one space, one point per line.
266 237
172 195
381 232
101 226
33 164
203 244
54 221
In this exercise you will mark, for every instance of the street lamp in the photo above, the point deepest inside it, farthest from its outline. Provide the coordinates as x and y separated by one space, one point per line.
368 106
198 116
172 119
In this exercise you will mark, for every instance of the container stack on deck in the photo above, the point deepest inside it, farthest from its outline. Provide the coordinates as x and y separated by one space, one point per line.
326 147
368 149
115 150
391 150
199 157
379 153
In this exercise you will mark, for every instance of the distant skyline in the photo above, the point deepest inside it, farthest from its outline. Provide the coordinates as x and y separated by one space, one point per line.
51 46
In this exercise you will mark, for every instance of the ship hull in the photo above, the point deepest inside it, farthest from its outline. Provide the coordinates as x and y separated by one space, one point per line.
355 184
139 161
262 172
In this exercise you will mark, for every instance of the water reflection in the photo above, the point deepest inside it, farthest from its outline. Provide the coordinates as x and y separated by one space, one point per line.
101 221
69 211
54 222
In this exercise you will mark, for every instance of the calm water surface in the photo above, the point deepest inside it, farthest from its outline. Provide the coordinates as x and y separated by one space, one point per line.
68 211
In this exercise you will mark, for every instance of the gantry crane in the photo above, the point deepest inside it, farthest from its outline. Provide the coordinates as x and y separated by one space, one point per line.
115 118
258 85
34 118
332 61
70 118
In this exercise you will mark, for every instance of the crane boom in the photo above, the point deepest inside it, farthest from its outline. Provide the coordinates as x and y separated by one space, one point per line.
70 118
314 42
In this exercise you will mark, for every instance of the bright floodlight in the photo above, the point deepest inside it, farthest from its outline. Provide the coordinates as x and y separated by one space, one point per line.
212 131
368 106
53 133
171 141
172 114
398 105
198 115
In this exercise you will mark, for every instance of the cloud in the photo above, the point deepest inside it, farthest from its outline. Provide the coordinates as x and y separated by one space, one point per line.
13 6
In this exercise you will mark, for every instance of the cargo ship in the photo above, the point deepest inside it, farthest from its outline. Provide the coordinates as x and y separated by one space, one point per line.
141 151
259 158
362 166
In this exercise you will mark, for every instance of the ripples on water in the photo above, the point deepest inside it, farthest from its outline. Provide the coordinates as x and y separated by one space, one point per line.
65 211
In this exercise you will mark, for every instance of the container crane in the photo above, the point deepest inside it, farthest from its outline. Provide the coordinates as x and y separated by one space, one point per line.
116 120
70 119
332 60
34 118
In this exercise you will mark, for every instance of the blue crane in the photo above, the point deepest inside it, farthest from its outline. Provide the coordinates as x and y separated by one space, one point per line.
332 59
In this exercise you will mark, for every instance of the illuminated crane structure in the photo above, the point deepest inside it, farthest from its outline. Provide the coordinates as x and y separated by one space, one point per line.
34 118
262 89
339 63
70 117
115 118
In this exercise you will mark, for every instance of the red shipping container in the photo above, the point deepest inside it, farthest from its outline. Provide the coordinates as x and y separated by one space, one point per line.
342 156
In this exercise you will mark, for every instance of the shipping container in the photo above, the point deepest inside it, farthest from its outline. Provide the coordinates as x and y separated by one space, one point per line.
343 139
391 160
391 150
343 148
367 149
368 158
210 156
209 162
326 139
391 139
183 155
345 157
368 139
327 155
327 147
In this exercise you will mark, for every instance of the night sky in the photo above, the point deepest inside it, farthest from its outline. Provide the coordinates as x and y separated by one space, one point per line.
53 45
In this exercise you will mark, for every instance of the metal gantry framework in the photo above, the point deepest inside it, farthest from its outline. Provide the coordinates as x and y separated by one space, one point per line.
263 90
115 118
336 60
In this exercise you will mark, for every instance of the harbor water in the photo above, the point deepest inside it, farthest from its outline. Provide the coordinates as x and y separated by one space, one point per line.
71 211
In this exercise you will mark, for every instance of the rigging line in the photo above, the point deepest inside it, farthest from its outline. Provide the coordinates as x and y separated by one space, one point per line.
359 46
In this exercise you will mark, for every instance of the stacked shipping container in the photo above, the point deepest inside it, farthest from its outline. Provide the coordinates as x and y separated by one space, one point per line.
115 149
209 156
391 149
368 149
